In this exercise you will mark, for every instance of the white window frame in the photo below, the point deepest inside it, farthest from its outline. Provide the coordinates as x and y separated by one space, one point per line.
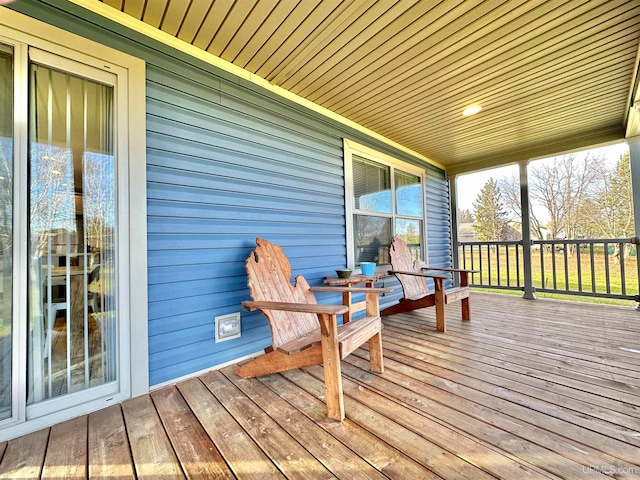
353 148
22 32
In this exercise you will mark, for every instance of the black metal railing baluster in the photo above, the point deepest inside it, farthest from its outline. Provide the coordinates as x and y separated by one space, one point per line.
518 264
593 267
579 266
498 264
623 287
606 268
566 267
543 283
473 275
553 266
489 263
508 266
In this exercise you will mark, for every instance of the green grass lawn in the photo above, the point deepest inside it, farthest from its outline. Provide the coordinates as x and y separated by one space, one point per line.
573 272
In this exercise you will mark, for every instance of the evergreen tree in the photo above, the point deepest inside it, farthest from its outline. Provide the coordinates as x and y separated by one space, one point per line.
465 216
611 215
491 217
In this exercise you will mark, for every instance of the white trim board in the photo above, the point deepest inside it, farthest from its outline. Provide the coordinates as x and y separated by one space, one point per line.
188 376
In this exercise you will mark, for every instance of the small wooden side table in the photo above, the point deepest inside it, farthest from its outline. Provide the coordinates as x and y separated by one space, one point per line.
353 280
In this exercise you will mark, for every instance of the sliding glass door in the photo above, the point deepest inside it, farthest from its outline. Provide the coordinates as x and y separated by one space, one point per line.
72 145
6 229
72 229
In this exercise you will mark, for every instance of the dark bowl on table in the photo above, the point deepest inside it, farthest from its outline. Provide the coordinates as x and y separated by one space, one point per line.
343 273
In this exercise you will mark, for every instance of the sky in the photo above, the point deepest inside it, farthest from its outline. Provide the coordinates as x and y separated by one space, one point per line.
468 186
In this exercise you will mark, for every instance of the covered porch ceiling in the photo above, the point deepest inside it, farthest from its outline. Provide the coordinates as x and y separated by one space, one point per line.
551 75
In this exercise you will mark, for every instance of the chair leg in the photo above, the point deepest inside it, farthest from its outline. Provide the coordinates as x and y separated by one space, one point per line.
375 353
440 303
466 306
332 371
466 309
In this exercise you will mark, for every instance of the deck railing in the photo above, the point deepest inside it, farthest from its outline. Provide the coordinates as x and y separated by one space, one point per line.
608 268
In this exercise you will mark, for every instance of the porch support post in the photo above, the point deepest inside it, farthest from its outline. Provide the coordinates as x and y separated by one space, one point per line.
526 233
634 160
453 202
634 163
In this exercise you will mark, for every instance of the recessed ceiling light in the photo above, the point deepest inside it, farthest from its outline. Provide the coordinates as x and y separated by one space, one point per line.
471 109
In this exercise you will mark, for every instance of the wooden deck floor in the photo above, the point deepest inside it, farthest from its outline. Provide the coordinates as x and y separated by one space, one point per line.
527 389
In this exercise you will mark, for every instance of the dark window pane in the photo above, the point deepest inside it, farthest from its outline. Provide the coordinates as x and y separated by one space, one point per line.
372 239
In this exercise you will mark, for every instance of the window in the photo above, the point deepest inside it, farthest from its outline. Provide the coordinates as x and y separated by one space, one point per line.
385 197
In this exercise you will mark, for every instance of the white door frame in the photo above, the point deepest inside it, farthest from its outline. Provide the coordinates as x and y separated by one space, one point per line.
17 31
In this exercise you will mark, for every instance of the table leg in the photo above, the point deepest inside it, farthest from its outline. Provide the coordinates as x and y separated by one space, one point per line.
346 300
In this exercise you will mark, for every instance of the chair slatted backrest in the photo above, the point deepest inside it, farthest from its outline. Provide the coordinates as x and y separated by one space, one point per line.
269 279
414 287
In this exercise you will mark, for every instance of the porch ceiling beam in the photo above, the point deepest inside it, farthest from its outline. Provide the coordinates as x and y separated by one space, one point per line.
560 146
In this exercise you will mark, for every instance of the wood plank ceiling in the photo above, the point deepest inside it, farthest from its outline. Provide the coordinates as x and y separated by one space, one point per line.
551 75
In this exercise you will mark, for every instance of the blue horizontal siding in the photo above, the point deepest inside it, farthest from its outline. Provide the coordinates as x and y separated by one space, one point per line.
183 241
220 174
221 212
438 221
228 162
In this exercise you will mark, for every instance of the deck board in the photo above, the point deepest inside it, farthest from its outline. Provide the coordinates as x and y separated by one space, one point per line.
24 456
401 428
534 374
526 390
69 450
196 452
510 385
536 364
244 457
381 455
109 452
264 425
151 449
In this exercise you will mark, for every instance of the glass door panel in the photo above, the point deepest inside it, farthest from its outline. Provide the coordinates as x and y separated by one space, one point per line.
72 321
6 228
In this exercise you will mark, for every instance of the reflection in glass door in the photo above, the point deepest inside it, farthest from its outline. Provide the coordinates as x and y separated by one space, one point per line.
72 325
6 227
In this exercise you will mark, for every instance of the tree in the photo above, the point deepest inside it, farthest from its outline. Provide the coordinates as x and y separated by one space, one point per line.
611 215
465 216
491 217
563 187
510 190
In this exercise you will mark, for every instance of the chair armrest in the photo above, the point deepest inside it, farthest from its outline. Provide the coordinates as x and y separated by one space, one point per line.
353 289
421 274
250 305
443 269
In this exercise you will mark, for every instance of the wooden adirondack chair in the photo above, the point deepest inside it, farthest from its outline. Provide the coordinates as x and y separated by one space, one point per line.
305 333
412 275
